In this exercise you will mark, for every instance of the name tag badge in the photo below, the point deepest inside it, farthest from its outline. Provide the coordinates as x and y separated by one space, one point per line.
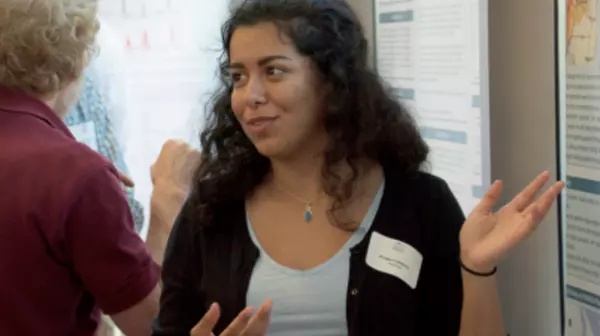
395 258
85 133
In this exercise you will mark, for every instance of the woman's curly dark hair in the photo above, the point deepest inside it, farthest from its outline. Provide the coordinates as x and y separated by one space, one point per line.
363 118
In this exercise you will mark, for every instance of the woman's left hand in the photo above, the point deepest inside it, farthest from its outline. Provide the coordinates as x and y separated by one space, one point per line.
486 237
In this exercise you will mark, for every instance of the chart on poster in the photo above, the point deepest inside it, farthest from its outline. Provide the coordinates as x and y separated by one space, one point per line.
579 134
433 53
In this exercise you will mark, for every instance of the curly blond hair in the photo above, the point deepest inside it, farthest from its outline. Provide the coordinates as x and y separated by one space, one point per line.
45 44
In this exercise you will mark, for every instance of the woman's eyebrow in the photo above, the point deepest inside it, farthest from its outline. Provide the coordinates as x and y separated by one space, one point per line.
261 62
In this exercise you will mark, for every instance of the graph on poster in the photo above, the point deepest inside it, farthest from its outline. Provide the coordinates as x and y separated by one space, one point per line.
433 53
579 134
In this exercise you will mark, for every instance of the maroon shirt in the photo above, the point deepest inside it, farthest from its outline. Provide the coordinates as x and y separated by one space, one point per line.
68 242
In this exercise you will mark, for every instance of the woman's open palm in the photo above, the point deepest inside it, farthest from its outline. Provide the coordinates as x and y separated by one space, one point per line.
487 236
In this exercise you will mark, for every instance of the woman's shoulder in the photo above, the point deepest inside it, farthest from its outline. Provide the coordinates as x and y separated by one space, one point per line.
423 200
420 184
429 181
222 217
212 241
422 211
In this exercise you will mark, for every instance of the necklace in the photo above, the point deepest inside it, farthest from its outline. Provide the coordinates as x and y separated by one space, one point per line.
308 215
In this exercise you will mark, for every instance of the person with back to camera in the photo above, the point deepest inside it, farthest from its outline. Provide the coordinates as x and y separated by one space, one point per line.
311 214
69 245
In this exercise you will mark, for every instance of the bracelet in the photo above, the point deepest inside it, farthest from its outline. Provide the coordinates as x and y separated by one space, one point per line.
488 274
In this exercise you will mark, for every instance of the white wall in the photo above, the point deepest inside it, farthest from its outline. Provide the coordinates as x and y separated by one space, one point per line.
523 143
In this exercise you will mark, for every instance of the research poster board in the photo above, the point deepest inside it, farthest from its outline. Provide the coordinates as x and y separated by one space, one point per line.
433 53
579 134
172 50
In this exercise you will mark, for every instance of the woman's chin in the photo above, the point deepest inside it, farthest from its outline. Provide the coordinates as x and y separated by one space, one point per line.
269 149
268 152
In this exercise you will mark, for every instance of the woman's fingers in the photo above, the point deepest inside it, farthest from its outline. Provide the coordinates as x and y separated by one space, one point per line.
541 207
208 322
259 323
527 195
245 324
486 205
237 327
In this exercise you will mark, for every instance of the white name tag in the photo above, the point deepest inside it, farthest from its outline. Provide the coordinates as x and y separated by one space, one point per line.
85 133
394 257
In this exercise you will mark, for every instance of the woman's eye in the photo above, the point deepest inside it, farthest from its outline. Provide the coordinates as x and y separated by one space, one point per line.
236 77
272 71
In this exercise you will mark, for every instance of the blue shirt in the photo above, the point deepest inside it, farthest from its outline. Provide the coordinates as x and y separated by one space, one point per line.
91 114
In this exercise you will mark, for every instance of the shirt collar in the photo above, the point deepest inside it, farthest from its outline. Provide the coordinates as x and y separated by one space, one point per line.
14 101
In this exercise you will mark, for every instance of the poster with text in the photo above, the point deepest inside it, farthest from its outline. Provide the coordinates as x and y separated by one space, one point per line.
579 112
433 53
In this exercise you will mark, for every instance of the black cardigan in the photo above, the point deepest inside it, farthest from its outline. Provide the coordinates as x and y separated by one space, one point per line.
203 265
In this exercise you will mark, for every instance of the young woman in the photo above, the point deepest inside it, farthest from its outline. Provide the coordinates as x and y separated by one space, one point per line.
311 200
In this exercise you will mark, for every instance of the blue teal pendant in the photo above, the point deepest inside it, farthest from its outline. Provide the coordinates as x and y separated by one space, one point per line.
308 213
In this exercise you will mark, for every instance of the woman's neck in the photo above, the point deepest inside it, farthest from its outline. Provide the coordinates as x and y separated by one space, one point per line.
304 179
301 178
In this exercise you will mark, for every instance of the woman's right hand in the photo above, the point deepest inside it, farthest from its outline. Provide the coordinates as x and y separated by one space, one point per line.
245 324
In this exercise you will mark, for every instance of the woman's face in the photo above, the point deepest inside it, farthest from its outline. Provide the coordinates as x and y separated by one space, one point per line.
277 96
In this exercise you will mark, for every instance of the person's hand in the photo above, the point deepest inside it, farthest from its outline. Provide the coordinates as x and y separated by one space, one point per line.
175 165
245 324
172 179
486 237
126 180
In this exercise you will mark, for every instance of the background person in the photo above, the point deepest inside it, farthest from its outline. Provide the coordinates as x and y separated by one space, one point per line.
67 230
98 117
91 123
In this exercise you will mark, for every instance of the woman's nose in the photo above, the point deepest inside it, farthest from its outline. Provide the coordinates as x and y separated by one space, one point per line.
255 93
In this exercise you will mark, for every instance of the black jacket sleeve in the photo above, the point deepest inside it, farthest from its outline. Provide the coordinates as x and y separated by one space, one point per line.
181 303
442 294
